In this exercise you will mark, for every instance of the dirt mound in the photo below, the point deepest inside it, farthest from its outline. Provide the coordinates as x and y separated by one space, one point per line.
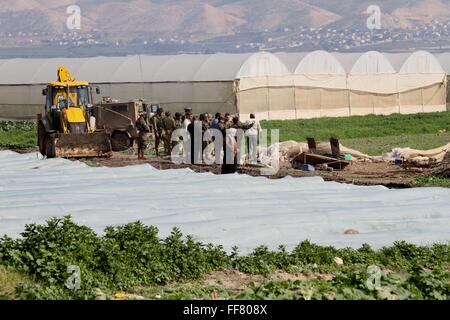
235 280
443 170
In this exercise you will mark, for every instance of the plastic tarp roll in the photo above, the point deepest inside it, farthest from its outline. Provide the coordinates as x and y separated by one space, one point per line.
437 154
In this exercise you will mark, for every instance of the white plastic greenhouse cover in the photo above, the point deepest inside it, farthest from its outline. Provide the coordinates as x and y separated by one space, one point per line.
444 61
372 62
217 67
347 60
291 59
397 60
258 211
262 64
319 62
136 69
421 62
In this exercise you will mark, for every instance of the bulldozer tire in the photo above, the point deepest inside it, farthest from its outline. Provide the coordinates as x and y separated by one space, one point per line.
120 142
41 138
49 147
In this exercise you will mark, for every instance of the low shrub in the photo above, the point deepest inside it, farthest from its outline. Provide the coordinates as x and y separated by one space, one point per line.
134 255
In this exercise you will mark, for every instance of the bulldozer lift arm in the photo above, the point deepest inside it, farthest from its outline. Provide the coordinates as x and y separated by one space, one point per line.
64 75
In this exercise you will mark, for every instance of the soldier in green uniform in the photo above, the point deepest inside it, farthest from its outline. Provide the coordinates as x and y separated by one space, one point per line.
156 122
228 121
169 125
205 128
144 135
178 121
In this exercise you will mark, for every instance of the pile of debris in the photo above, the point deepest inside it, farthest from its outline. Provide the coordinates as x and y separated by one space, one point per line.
335 155
313 156
290 150
419 158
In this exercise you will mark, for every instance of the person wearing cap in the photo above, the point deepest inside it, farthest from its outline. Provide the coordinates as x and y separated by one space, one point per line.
187 117
178 120
156 122
168 124
144 135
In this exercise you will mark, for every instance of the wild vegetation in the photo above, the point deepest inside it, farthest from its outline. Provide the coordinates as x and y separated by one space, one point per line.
17 134
433 182
134 259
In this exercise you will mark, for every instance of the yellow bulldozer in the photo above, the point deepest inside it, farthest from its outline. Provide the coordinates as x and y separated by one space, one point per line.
66 130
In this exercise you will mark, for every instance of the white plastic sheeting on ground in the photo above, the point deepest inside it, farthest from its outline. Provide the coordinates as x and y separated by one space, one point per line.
228 210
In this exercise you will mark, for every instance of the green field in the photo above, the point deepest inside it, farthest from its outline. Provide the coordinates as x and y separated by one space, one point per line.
132 260
371 134
17 135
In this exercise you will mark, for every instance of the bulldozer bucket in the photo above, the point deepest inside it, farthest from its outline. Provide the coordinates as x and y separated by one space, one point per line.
92 145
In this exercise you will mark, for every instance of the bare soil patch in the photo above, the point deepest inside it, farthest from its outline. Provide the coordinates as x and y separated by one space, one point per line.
358 173
235 280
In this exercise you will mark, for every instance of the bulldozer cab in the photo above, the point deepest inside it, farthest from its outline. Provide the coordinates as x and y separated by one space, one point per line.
61 96
67 92
66 106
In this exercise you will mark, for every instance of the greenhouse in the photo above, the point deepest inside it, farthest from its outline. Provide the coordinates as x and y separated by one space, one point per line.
273 86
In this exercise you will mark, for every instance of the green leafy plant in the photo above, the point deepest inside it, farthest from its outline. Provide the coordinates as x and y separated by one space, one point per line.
134 256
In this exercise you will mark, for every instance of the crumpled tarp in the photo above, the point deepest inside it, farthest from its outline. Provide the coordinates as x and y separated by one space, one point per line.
289 150
419 157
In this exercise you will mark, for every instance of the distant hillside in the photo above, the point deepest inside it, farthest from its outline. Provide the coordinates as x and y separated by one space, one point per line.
125 20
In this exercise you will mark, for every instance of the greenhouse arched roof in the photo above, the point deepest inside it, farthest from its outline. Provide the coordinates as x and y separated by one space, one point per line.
218 67
319 62
177 68
372 62
421 62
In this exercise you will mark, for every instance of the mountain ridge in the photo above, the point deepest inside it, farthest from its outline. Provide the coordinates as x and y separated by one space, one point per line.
209 18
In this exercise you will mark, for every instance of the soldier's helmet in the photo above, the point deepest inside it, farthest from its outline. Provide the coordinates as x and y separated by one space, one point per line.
178 115
160 110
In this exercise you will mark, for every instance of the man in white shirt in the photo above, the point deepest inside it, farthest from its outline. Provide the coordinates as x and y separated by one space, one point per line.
253 134
187 118
93 123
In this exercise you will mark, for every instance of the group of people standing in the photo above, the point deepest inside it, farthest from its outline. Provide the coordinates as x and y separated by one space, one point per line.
159 127
162 125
